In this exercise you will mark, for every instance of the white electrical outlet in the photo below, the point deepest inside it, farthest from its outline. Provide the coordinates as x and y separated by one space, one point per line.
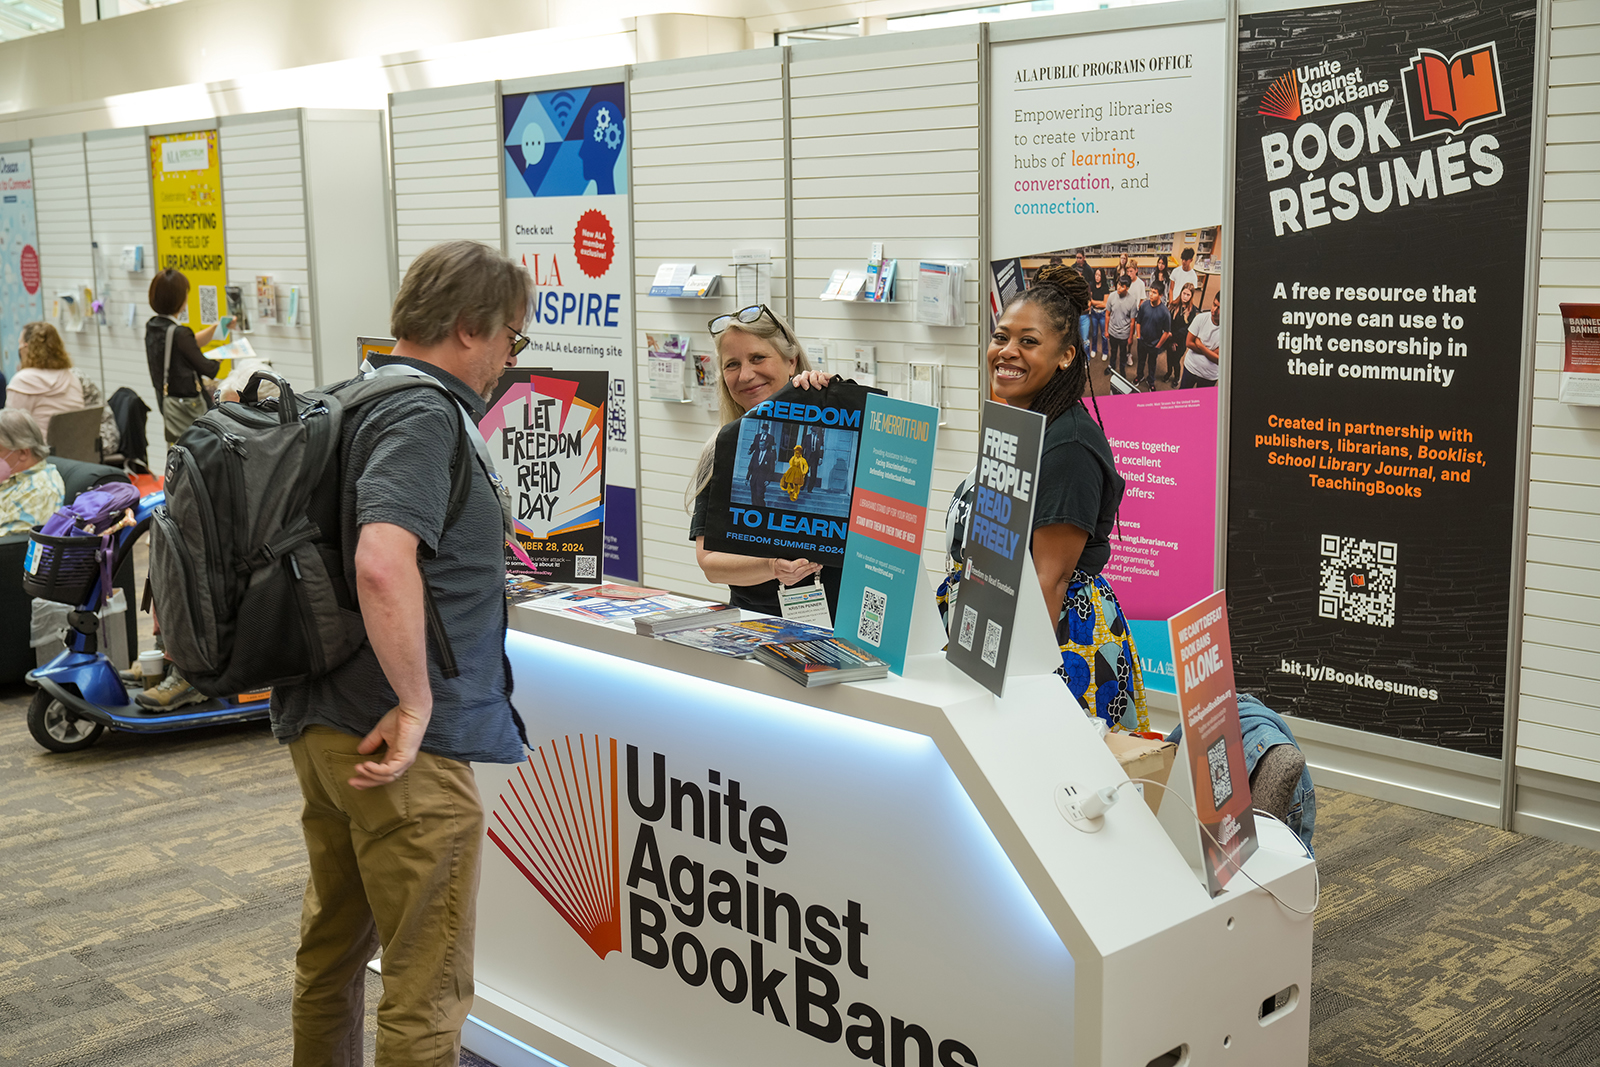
1083 808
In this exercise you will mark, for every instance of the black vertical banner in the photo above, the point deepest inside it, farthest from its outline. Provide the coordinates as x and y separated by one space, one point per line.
1382 210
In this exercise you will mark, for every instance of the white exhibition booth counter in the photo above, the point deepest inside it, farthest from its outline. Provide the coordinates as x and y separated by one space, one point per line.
703 864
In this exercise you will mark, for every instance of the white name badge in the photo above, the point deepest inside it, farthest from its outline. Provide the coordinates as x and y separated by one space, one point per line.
806 603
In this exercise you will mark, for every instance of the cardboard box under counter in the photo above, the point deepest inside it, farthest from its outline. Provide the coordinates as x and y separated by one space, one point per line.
1143 758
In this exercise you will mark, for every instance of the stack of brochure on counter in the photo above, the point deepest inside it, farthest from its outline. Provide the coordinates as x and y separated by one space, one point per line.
694 617
521 589
590 606
822 661
741 639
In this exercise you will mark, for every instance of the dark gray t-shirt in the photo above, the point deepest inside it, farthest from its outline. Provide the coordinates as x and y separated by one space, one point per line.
398 458
1079 484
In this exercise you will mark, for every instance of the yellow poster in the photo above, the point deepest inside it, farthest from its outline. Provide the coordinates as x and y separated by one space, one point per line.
186 176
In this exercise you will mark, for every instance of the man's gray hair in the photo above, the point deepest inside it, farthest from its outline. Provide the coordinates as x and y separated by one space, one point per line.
19 431
458 283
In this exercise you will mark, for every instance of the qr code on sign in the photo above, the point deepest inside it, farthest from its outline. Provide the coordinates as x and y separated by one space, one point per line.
873 606
584 566
1358 580
208 305
991 642
969 626
1221 782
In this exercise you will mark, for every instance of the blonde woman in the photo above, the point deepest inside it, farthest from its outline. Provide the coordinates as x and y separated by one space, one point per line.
46 384
757 355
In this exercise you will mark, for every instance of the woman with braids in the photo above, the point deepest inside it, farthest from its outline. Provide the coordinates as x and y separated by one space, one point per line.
1036 361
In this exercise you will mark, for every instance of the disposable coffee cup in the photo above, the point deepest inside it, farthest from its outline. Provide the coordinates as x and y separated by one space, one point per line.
153 665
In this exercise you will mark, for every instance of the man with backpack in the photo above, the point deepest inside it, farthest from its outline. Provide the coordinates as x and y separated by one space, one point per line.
382 744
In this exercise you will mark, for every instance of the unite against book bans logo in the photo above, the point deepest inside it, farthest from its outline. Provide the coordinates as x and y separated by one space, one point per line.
557 821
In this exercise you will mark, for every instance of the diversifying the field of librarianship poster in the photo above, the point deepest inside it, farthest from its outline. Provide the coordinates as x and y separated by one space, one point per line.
566 219
1382 210
546 436
1107 154
21 301
186 196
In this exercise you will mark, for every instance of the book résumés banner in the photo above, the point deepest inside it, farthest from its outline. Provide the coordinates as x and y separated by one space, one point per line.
545 432
1382 213
567 209
784 474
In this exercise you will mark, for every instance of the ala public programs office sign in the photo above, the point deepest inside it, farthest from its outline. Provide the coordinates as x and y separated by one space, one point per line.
690 873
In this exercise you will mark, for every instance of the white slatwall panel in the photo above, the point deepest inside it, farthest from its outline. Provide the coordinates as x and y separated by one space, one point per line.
446 150
61 201
264 224
119 194
885 147
708 159
1559 722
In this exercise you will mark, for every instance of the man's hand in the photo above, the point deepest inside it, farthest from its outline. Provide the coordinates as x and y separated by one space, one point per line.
401 730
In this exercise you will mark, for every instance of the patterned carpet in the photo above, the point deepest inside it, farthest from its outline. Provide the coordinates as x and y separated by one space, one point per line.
151 889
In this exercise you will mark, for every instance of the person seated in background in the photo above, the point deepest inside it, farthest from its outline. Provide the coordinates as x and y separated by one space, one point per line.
46 384
1280 781
30 489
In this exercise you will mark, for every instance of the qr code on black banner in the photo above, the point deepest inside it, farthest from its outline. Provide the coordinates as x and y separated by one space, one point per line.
208 305
969 627
873 606
584 566
991 642
1358 580
1221 781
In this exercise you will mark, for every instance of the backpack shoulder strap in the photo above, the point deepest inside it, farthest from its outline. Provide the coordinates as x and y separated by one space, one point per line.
358 393
166 364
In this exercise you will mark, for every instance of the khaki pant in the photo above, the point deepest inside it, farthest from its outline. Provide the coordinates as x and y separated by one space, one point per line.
398 866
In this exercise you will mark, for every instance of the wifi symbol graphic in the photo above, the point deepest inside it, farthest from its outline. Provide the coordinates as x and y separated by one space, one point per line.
562 105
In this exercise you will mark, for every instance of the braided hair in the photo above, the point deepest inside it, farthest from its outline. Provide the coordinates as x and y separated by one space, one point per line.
1061 293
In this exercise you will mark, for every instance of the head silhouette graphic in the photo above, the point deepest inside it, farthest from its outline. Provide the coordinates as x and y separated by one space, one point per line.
602 144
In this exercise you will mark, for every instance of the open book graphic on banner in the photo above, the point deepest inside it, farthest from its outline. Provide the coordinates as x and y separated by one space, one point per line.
1446 95
546 436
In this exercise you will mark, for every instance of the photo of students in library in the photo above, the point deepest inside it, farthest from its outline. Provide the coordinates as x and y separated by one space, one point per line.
1144 295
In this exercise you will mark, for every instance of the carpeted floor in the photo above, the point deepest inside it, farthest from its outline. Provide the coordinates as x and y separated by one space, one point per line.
150 889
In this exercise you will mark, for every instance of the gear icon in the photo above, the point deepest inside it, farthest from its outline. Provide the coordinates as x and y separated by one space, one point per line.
613 137
602 121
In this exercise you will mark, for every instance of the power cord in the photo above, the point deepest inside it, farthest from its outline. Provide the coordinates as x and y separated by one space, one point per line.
1235 864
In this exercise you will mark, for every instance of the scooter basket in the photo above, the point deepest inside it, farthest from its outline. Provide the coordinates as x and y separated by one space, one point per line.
61 569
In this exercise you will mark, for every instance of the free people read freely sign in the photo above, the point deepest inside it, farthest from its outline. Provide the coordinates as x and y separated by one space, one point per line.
982 621
1215 742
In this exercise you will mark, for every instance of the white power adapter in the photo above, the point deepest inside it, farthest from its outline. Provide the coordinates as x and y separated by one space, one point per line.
1084 809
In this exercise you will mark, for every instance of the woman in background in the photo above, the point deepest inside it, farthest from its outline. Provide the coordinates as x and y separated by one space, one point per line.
1098 288
46 385
1036 361
30 489
178 369
757 355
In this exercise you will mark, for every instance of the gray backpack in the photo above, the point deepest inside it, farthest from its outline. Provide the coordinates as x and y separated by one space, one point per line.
246 561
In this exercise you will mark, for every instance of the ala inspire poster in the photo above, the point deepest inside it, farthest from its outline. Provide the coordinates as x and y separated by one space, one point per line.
565 154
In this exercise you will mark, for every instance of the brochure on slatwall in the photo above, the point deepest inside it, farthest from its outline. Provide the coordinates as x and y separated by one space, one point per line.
783 474
545 432
997 543
888 514
823 661
1213 738
741 639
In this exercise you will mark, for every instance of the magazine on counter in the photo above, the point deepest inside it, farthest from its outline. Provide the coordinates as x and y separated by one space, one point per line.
741 639
695 617
822 661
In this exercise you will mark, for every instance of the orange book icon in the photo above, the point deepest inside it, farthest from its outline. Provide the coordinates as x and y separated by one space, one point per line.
1448 94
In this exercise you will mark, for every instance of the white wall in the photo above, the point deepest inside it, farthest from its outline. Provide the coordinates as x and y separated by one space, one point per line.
119 197
446 150
61 202
1558 731
708 175
885 147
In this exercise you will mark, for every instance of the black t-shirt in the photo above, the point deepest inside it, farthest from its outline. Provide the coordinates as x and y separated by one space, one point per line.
1079 484
1098 292
763 597
188 362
